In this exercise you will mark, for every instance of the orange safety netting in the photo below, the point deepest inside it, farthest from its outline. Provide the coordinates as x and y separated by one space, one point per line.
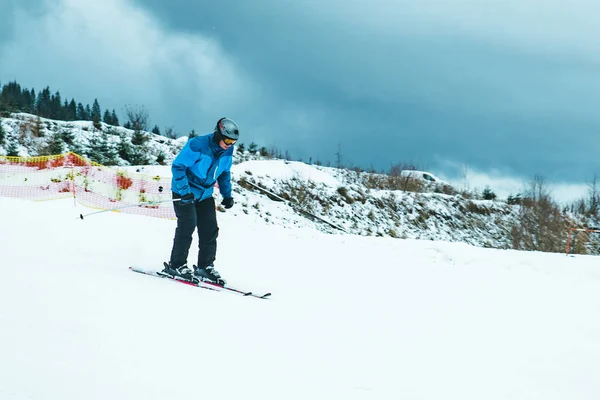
91 184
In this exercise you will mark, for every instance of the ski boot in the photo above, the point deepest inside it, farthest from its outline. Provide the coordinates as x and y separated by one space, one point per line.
209 273
181 272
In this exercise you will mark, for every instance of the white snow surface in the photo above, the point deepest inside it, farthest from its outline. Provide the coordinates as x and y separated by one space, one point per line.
288 170
351 317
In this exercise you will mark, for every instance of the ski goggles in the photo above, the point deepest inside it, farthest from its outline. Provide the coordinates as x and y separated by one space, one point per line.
228 141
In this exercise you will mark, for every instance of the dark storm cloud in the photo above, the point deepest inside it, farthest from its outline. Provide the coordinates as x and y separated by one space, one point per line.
8 10
391 90
504 86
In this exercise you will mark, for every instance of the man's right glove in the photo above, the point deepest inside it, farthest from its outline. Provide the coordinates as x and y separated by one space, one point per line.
187 199
228 202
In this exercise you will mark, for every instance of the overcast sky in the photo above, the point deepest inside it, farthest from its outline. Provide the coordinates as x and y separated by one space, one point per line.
505 88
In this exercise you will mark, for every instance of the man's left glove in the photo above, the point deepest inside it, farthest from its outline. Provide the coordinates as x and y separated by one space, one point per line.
228 202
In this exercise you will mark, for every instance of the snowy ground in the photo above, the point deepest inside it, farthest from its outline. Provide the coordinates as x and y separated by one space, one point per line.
350 318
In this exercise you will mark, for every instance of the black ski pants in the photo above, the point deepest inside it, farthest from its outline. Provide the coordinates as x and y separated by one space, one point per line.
203 216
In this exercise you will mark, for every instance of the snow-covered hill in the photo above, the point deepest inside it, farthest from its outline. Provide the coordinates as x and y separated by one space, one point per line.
333 200
28 135
340 197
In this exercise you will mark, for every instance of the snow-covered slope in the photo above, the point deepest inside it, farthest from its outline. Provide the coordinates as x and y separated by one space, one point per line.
339 197
351 317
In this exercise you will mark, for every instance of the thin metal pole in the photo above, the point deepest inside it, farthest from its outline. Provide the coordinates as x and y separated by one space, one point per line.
146 203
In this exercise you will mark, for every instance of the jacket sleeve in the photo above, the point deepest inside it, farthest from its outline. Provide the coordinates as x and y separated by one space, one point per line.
225 184
186 158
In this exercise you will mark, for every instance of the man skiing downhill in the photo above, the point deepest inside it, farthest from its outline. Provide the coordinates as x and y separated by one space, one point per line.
203 161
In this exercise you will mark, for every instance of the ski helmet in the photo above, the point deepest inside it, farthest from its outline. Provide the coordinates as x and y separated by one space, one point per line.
227 128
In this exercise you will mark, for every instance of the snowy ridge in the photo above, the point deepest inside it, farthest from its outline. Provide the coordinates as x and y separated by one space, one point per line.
335 195
329 199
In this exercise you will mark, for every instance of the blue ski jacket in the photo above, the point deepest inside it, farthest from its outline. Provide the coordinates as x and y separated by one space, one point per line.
200 164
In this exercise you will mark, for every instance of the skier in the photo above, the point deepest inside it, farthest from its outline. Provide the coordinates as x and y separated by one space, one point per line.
203 161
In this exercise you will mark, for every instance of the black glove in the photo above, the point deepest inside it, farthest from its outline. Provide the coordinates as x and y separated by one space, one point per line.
228 202
187 199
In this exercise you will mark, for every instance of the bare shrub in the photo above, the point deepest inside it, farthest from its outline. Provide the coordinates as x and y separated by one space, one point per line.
475 208
541 224
138 117
343 191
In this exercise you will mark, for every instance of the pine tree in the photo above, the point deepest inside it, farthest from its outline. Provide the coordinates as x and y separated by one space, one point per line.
3 106
71 111
156 130
125 147
160 158
33 102
43 103
110 148
11 96
103 150
67 136
15 99
65 110
95 152
96 115
81 113
2 135
139 138
88 112
107 118
111 152
28 104
55 107
115 119
56 145
12 149
488 194
140 156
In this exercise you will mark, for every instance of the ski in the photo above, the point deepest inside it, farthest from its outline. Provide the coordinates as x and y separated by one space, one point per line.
201 284
234 290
